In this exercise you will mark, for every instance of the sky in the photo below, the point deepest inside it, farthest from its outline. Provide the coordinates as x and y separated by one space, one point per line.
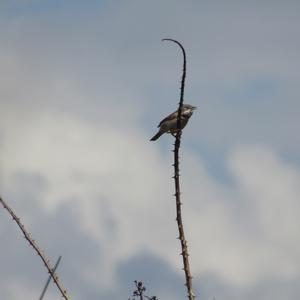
83 85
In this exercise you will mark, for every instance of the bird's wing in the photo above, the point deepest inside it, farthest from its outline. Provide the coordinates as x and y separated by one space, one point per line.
168 118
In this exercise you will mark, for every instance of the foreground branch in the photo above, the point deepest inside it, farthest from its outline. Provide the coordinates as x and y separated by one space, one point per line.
49 279
37 250
183 242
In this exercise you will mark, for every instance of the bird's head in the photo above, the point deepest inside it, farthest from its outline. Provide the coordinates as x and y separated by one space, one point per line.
188 109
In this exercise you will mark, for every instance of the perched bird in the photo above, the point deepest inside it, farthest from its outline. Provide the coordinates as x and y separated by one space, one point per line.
169 124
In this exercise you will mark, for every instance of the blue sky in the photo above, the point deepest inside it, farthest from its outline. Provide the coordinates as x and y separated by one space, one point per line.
83 87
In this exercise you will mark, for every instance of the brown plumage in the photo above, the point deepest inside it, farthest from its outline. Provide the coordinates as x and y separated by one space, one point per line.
169 124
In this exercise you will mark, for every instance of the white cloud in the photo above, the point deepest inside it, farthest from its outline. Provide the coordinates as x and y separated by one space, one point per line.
246 230
107 171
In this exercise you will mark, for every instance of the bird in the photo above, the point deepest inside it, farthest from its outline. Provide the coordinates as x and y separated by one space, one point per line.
169 124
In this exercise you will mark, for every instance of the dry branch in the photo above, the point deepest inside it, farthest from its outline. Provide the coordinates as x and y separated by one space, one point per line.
183 242
37 249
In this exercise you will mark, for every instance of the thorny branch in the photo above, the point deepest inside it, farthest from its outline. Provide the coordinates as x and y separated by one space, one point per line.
183 242
40 253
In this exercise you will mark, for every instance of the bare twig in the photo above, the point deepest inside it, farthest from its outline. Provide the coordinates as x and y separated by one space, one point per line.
49 279
40 253
184 248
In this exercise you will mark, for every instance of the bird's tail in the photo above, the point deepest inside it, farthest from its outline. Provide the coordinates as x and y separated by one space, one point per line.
157 136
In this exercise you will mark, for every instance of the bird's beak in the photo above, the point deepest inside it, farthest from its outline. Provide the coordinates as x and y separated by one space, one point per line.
194 107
